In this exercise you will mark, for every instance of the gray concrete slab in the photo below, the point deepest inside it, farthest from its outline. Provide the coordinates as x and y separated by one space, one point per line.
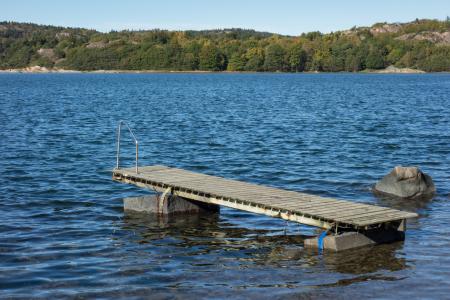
172 205
351 240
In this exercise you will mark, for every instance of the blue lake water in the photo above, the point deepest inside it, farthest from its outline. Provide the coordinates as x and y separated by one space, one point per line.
63 232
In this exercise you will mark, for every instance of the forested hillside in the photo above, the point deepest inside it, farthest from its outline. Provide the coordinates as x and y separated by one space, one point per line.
421 44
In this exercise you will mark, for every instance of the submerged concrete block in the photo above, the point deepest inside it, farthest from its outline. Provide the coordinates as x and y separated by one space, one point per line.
143 204
344 241
350 240
172 205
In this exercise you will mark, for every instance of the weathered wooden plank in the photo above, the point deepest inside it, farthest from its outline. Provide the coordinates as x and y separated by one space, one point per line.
321 207
380 215
292 202
208 178
207 186
375 219
339 207
254 194
148 168
390 218
198 185
342 215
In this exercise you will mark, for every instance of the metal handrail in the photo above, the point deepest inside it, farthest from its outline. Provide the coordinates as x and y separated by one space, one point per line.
118 144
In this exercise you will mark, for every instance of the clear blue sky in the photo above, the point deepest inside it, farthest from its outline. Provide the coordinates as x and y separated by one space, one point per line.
279 16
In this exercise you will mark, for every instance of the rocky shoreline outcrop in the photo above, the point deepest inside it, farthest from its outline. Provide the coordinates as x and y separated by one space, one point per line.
395 70
39 69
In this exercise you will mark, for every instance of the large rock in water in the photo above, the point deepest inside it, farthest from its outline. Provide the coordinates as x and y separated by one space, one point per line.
406 182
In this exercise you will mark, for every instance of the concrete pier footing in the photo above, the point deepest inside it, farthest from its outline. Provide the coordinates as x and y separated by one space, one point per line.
351 239
166 205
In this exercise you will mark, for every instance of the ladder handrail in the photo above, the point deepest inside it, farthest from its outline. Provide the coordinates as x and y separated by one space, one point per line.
119 129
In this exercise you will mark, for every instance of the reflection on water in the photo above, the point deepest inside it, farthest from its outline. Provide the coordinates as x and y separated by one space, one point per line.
359 279
366 260
200 242
268 248
413 205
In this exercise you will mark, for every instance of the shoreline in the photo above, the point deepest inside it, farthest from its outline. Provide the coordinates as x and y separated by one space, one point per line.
43 70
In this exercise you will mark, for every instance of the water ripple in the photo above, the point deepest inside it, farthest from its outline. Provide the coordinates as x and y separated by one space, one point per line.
63 232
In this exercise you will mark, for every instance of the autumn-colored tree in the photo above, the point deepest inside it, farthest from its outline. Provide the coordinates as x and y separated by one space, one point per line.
211 59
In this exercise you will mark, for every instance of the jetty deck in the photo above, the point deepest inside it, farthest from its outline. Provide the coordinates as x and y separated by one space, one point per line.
295 206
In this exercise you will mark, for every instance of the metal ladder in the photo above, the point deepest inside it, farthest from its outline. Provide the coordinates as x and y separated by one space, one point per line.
119 129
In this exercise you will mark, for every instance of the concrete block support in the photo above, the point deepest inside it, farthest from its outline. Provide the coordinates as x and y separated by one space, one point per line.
350 240
171 205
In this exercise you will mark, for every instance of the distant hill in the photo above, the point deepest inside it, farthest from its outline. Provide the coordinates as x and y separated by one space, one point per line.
421 44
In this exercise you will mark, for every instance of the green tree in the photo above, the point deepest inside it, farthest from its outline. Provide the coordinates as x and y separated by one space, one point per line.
438 60
375 59
352 50
297 58
353 63
394 55
18 56
237 62
191 53
275 58
156 58
174 54
320 60
211 59
255 59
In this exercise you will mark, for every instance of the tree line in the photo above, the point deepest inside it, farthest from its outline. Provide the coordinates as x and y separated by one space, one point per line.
413 45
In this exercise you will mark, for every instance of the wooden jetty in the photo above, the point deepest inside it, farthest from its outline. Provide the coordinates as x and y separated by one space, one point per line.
326 213
372 224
